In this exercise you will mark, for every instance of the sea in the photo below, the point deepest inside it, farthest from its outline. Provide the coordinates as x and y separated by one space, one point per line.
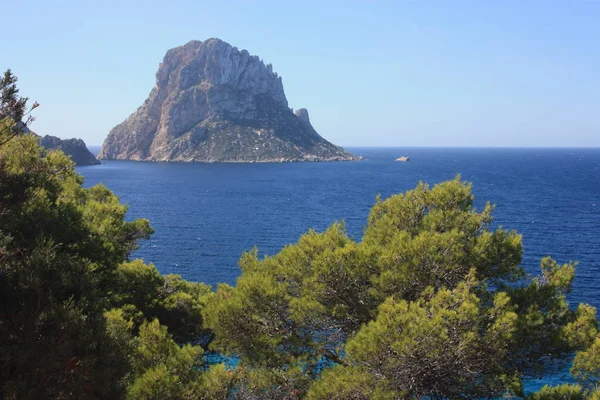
206 215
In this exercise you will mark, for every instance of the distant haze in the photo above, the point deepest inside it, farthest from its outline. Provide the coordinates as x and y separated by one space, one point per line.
94 149
372 73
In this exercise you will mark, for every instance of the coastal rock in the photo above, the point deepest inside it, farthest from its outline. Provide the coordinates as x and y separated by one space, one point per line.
302 113
215 103
75 148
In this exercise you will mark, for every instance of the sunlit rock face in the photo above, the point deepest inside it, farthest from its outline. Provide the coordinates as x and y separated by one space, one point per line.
215 103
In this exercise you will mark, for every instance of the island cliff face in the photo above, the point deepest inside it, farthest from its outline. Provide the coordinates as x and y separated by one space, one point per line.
75 148
214 103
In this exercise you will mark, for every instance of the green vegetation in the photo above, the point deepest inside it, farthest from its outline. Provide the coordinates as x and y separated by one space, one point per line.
432 303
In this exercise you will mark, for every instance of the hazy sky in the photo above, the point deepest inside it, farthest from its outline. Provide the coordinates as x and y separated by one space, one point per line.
375 73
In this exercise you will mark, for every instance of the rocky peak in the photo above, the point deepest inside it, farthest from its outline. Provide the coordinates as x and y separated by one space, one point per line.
215 62
213 102
302 113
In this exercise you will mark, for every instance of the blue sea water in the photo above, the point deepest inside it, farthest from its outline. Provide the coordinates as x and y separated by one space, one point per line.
206 215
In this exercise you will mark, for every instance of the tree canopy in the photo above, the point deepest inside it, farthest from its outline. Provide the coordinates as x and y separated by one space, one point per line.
64 263
432 303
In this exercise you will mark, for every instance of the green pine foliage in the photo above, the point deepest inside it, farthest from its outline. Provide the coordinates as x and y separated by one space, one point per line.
461 347
144 293
61 244
562 392
64 267
432 303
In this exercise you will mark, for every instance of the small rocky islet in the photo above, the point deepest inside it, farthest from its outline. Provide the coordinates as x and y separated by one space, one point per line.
75 148
215 103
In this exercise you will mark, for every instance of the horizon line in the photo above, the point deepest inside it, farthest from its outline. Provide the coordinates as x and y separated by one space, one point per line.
450 147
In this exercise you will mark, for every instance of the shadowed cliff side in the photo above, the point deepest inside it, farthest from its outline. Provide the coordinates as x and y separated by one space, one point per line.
75 148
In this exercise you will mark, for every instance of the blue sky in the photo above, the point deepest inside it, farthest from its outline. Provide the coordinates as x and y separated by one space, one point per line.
371 73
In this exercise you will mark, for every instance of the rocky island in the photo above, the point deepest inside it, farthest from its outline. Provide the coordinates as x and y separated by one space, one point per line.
75 148
215 103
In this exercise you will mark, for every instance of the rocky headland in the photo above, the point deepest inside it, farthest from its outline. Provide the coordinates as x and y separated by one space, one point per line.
215 103
75 148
